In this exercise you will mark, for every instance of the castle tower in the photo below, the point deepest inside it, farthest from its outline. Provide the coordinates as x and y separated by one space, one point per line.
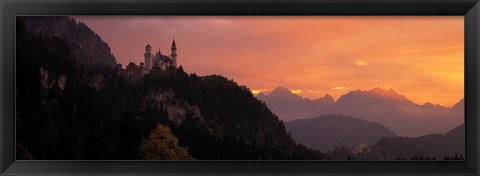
148 57
174 53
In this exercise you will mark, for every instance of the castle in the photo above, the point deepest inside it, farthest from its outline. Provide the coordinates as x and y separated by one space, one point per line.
134 72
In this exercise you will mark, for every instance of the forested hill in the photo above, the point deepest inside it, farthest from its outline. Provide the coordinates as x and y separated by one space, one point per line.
450 145
67 110
218 119
329 131
86 46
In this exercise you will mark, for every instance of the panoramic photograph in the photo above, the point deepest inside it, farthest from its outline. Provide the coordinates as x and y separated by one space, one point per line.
383 88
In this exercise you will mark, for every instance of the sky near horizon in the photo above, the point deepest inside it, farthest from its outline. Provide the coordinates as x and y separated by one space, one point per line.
420 57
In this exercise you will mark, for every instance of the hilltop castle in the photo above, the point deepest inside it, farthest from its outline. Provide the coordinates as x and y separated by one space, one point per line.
133 71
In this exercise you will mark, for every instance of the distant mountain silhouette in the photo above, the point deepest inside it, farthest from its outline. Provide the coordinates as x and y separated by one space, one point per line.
459 107
429 105
284 93
329 131
289 106
434 145
389 94
396 112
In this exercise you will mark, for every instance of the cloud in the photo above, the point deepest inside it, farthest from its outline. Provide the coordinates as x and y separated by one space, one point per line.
339 88
296 91
257 91
360 63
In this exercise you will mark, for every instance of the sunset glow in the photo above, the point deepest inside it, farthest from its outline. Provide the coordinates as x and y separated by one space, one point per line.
296 91
255 92
419 57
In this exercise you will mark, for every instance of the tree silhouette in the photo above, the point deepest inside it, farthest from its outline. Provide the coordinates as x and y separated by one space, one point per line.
161 144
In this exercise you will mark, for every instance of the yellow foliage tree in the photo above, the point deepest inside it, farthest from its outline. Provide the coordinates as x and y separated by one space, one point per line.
161 144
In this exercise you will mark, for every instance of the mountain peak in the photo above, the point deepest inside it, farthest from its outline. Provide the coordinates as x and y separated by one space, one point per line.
284 94
390 93
377 89
280 89
383 92
430 105
328 97
289 106
460 104
281 92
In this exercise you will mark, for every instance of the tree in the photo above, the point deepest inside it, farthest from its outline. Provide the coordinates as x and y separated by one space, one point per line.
161 144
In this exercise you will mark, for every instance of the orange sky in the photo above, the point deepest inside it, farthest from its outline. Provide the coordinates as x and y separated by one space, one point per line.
420 57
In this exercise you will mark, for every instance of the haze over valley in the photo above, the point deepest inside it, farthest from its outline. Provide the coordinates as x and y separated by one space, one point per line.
360 117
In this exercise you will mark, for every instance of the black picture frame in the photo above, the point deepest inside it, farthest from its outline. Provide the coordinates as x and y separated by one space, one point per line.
470 9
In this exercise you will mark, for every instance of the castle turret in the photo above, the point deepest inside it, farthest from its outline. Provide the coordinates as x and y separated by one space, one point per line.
174 53
148 57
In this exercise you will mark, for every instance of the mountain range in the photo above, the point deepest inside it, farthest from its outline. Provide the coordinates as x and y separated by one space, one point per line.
289 106
387 107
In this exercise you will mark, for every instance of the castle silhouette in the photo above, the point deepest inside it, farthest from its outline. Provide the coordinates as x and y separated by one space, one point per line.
134 72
